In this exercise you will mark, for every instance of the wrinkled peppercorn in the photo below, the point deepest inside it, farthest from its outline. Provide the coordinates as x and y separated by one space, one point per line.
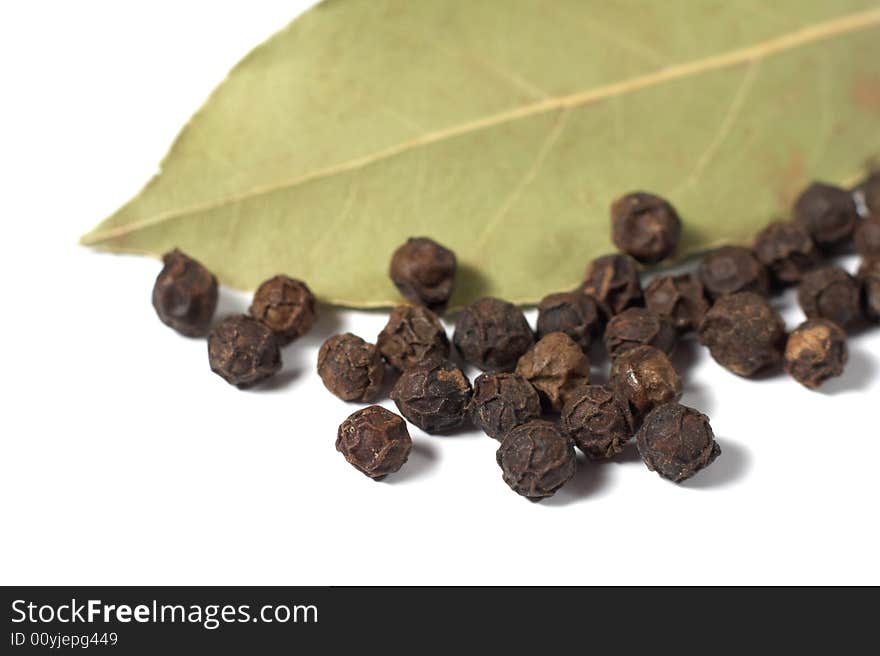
871 191
243 351
676 442
681 298
787 250
185 294
743 333
536 459
413 335
502 401
434 396
869 276
733 269
374 441
831 293
816 351
597 421
572 313
492 334
613 280
424 272
867 237
645 226
351 368
286 305
643 378
638 326
554 366
827 213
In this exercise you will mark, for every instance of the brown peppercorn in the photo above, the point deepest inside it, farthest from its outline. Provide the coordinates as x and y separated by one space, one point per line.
434 396
536 459
871 190
613 280
743 333
787 250
643 378
867 237
243 351
573 313
869 276
681 298
286 305
185 294
733 269
816 351
351 368
676 442
554 366
597 421
424 272
645 226
413 335
831 293
374 441
638 326
827 213
492 334
502 401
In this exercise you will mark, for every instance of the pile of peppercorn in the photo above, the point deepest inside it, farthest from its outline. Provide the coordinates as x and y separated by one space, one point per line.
535 395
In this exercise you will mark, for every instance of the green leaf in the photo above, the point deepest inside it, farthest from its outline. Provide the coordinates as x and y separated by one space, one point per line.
503 129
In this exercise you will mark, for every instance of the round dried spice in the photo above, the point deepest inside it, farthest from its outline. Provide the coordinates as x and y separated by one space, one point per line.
645 226
502 401
827 213
733 269
867 237
374 441
831 293
185 295
424 272
636 327
433 396
492 334
816 351
597 421
643 378
613 280
243 351
413 335
536 459
555 366
743 333
676 442
573 313
286 305
681 298
351 368
787 250
869 276
871 190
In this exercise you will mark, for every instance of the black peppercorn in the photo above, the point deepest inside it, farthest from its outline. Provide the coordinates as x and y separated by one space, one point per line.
424 272
554 366
643 378
867 237
597 421
869 276
351 368
733 269
536 459
243 351
645 226
677 442
492 334
743 333
286 305
185 295
827 213
787 250
681 298
831 293
638 326
502 401
434 396
573 313
413 335
816 351
871 191
374 441
613 280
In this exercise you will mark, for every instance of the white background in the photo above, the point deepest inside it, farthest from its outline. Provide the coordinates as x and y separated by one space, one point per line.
125 460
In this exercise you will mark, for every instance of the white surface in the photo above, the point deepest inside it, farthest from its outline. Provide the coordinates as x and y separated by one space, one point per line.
125 460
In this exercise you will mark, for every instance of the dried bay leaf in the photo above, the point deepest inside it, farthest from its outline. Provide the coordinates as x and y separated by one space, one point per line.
503 129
